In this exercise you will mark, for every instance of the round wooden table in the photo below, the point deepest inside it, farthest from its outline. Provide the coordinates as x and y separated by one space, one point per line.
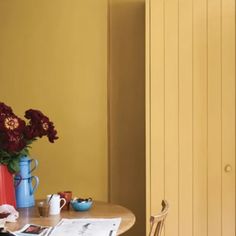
98 210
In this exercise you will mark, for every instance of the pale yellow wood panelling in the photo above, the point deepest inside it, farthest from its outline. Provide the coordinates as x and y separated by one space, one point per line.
228 117
171 113
157 109
199 175
185 117
190 106
214 117
147 117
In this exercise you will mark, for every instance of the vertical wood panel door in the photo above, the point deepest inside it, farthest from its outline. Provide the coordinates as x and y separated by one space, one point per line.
190 115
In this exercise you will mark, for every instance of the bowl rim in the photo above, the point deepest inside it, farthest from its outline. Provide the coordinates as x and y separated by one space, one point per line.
75 200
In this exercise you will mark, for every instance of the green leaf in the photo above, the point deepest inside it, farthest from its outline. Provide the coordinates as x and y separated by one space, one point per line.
13 165
24 152
4 154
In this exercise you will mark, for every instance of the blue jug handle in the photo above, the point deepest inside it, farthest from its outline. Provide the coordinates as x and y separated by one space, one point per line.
35 185
35 165
17 180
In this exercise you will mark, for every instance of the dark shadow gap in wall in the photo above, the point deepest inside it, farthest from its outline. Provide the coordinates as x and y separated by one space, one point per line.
126 94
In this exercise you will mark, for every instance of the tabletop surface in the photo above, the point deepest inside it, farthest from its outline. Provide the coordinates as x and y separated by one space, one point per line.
98 210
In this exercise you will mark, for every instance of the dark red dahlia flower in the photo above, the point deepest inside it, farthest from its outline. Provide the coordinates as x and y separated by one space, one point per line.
13 142
34 115
30 132
10 123
52 133
5 110
39 126
16 135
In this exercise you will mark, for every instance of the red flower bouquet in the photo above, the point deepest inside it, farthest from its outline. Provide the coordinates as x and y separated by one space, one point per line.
16 135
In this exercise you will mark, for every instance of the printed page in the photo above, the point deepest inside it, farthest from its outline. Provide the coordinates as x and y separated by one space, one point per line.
32 230
86 227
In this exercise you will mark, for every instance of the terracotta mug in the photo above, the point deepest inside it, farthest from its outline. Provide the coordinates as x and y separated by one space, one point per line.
68 196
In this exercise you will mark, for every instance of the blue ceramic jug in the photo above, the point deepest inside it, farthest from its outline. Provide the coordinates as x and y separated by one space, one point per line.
27 165
25 191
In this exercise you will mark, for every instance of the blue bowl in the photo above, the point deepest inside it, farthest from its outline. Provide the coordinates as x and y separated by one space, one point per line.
81 205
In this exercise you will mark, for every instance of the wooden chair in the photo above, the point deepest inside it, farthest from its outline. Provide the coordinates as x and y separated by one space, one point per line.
157 222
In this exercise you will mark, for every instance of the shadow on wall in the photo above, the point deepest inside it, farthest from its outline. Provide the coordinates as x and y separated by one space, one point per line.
127 108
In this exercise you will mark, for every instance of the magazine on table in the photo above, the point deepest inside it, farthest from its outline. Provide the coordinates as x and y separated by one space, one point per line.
85 227
32 230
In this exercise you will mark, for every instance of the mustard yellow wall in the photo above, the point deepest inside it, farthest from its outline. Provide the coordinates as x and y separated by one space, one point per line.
53 57
127 107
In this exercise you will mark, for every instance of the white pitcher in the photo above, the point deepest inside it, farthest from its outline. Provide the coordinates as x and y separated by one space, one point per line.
54 202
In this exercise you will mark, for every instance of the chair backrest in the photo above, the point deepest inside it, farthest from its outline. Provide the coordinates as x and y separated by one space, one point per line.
157 222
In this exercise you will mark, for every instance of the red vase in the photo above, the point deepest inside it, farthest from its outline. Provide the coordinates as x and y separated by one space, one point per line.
7 190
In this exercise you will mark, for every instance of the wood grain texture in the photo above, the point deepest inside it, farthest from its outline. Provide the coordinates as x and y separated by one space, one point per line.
148 116
157 109
191 45
185 117
199 118
214 118
99 210
228 117
171 115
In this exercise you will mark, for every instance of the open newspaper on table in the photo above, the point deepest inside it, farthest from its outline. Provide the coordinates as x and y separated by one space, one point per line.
85 227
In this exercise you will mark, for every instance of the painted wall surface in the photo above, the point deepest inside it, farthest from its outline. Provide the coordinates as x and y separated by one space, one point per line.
190 102
127 108
53 57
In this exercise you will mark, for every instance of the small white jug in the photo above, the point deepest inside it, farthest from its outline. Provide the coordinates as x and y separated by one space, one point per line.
54 203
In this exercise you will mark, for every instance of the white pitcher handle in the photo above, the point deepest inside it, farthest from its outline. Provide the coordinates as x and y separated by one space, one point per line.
64 200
